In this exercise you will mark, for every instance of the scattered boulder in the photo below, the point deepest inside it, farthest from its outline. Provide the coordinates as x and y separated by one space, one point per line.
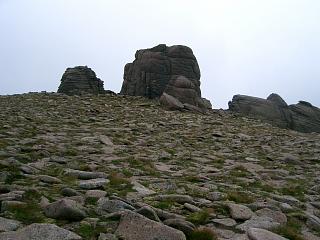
65 209
134 226
149 213
93 183
110 206
240 212
175 198
277 216
262 234
84 175
7 225
258 222
302 117
170 102
80 79
37 231
180 224
172 70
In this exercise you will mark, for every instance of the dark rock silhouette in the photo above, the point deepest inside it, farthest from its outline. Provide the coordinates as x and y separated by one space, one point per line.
80 79
302 117
173 70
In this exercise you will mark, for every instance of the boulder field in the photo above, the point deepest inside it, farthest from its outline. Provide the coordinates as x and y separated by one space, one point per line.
115 167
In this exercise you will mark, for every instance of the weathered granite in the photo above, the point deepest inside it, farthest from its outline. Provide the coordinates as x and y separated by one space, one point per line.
302 117
172 70
80 79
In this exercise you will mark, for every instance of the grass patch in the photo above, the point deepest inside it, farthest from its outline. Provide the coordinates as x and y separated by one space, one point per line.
193 179
291 229
239 171
199 218
240 197
13 173
294 189
221 210
91 201
202 234
90 232
163 205
119 184
31 212
262 186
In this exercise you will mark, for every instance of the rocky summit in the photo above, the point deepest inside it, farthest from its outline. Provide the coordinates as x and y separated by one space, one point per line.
303 117
171 73
80 79
122 167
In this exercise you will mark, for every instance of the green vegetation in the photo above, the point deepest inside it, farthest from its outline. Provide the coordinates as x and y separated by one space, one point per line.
90 232
239 171
240 197
13 173
291 230
294 189
163 204
30 212
199 218
193 178
202 234
119 184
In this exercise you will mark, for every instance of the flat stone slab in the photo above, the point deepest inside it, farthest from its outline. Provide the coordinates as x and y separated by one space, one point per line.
262 234
85 175
65 209
134 226
7 225
39 231
93 183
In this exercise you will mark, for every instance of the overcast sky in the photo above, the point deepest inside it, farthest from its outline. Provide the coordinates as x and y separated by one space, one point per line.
252 47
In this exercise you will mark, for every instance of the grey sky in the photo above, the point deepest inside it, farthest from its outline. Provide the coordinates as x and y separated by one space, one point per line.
251 47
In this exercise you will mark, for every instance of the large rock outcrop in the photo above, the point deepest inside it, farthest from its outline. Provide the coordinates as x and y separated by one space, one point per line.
80 79
302 117
172 70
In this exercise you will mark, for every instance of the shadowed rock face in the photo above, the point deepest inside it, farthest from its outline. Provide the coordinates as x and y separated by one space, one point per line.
80 79
305 117
160 69
302 117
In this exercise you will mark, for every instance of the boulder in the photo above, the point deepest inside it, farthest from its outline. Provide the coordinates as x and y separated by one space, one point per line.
172 70
302 117
7 225
80 79
262 234
239 212
65 209
134 226
110 206
170 102
37 231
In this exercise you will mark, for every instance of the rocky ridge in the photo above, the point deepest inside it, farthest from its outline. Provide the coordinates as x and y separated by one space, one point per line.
302 117
92 167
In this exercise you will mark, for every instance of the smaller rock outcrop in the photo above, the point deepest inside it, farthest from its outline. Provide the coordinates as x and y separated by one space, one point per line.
80 79
302 117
